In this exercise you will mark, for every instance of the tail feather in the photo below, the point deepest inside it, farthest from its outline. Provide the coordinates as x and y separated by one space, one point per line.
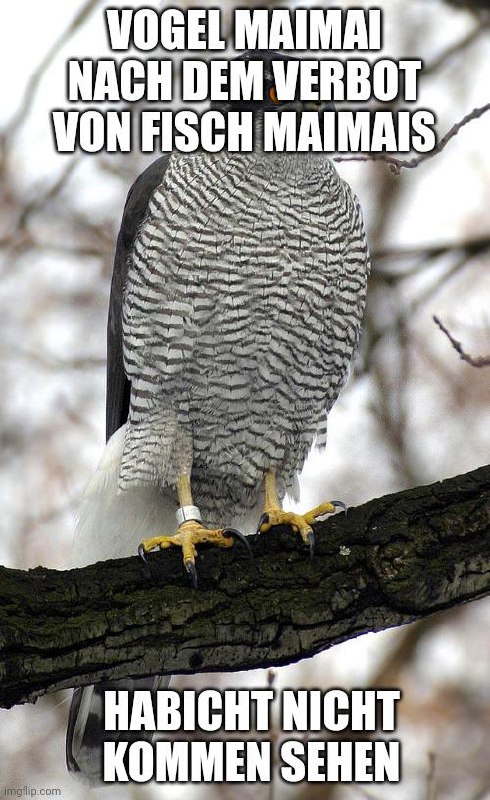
85 733
110 524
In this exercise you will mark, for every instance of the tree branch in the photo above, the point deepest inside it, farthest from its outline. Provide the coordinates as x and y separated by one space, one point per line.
428 252
31 89
456 48
391 561
397 164
474 361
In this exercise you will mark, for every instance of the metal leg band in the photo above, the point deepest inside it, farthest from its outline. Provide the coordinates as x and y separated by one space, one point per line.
186 514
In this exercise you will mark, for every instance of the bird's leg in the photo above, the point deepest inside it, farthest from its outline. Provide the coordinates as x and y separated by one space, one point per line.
300 523
190 531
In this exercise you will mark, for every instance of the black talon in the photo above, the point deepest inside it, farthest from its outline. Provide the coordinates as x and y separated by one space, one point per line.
311 543
191 569
141 553
340 504
233 533
262 521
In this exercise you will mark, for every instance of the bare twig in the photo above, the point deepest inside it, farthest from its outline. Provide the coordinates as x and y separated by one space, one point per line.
431 778
472 247
46 361
49 192
482 792
474 361
397 164
364 793
48 59
455 48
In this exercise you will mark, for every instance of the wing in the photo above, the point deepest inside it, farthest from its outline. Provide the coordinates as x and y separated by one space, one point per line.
118 385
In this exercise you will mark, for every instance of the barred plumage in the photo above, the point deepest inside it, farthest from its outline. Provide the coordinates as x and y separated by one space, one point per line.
242 308
238 290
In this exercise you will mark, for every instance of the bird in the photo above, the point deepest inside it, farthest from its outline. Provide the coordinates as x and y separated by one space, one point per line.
236 306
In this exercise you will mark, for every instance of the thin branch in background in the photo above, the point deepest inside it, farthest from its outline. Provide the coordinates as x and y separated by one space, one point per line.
455 48
397 164
428 294
363 793
49 192
9 351
48 59
390 410
479 8
406 315
474 361
472 247
431 778
422 258
482 793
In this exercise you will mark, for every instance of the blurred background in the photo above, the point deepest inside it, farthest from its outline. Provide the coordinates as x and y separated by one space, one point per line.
412 413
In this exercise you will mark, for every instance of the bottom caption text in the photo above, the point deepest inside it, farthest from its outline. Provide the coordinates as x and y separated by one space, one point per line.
146 736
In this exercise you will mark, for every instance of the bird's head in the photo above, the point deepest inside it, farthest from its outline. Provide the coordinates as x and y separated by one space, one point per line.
270 100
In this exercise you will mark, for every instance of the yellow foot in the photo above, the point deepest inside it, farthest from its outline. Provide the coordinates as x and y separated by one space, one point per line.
300 523
190 534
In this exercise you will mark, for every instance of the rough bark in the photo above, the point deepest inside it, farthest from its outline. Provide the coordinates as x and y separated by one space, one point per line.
391 561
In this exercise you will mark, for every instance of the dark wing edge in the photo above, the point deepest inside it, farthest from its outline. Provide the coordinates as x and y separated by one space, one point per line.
86 734
118 386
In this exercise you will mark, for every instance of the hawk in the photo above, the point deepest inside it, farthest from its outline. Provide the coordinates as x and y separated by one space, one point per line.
236 304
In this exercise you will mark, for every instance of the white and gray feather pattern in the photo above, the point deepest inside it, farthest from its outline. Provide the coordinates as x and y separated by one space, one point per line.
242 307
238 291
